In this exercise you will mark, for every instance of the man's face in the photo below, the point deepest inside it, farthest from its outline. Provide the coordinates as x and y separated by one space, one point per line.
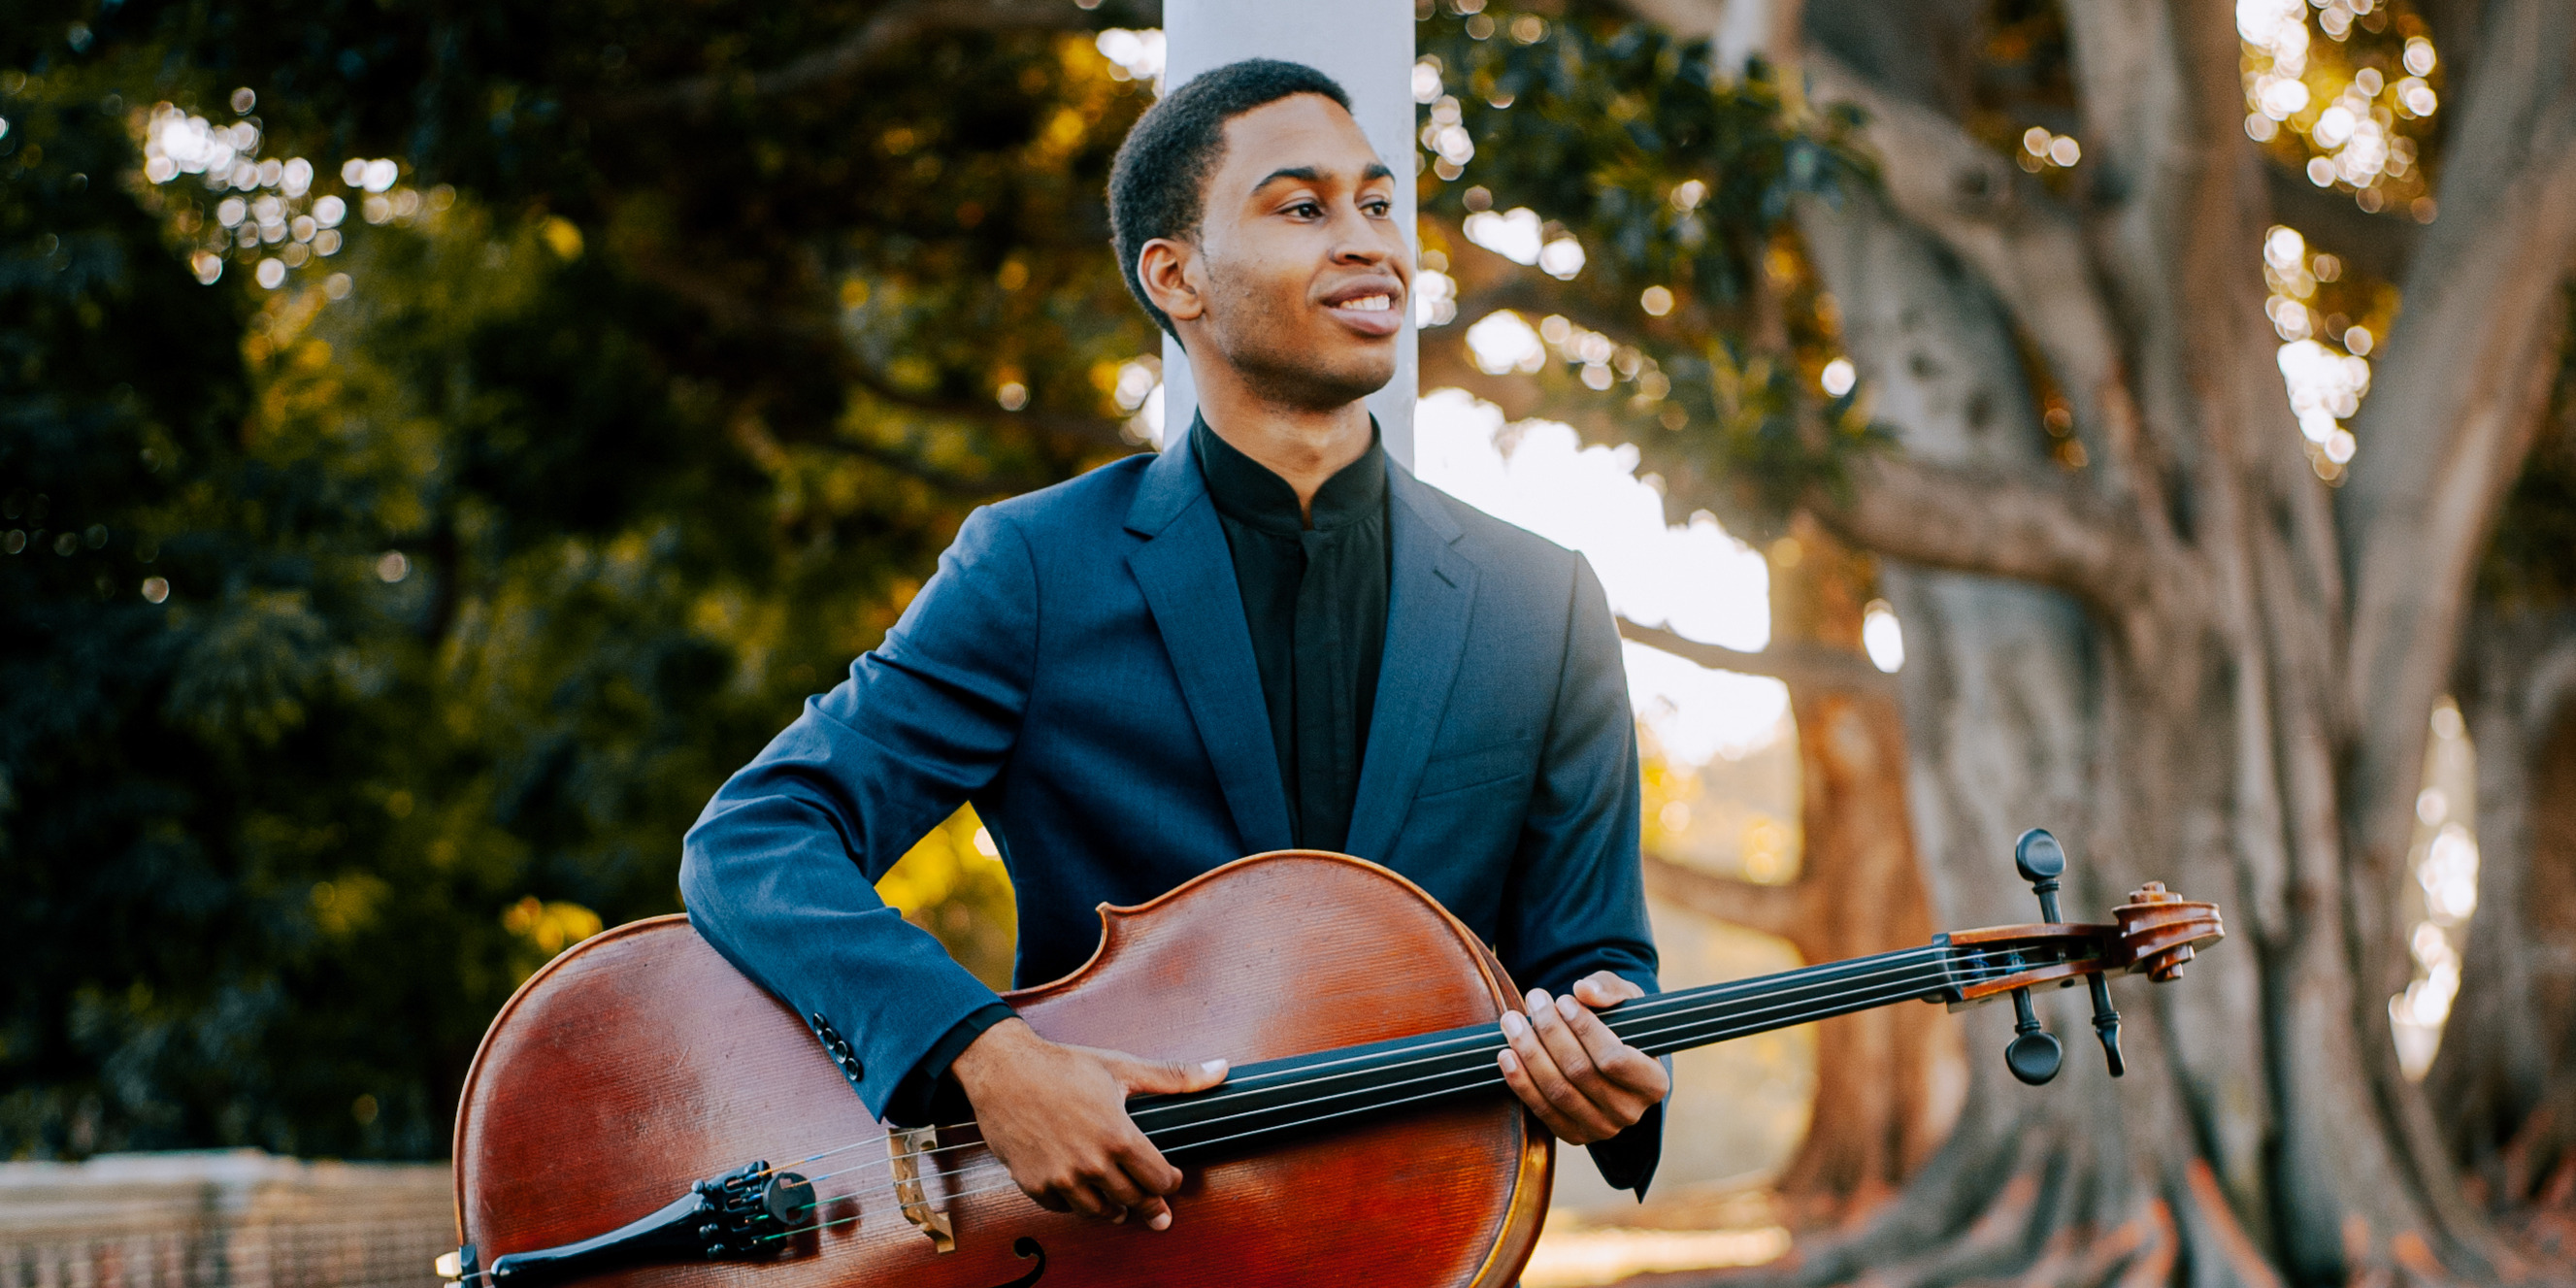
1301 270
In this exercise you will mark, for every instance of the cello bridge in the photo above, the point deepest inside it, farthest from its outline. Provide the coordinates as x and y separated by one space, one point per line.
906 1149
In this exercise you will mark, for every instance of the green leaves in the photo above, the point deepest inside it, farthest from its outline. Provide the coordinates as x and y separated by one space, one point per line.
1678 178
249 669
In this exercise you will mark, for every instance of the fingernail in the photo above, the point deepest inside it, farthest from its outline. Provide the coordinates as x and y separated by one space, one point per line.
1161 1221
1120 1219
1213 1069
1513 1024
1538 997
1568 1007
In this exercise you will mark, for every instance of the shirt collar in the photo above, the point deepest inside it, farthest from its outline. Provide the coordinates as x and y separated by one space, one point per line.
1247 491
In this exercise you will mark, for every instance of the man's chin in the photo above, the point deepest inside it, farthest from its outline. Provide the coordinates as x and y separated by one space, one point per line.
1299 381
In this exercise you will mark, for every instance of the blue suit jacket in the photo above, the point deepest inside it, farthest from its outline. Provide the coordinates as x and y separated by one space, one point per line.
1079 668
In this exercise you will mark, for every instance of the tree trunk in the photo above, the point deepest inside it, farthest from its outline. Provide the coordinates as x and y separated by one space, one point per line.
1887 1081
2504 1082
2190 658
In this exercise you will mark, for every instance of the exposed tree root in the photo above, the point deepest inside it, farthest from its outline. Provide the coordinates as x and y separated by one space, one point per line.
2037 1208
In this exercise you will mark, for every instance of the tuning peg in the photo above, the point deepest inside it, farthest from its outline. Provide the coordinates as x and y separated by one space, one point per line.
2042 861
2032 1055
2106 1023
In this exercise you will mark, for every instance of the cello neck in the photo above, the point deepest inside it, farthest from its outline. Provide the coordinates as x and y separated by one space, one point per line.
1324 1089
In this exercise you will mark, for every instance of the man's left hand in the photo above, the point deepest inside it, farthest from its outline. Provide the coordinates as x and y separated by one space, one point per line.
1574 1073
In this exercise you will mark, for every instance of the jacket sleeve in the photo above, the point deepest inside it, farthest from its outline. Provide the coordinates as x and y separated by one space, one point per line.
779 871
1579 900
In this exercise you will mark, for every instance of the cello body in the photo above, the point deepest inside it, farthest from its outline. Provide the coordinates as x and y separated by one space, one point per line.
640 1062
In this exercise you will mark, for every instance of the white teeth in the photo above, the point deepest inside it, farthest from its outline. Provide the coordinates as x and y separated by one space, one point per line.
1370 304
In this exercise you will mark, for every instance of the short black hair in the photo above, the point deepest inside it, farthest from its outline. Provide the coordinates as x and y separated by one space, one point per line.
1156 182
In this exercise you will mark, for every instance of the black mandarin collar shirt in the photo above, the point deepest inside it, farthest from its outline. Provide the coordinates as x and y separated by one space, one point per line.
1315 600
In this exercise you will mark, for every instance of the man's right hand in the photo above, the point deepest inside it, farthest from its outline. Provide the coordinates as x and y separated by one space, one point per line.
1057 1116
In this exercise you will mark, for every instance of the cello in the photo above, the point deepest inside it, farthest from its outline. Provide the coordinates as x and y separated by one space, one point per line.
641 1115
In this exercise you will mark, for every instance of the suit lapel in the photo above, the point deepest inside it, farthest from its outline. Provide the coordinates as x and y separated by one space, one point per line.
1188 580
1428 596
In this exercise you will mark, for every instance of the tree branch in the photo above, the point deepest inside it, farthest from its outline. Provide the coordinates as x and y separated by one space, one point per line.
2465 383
727 306
891 27
2026 246
1991 522
1805 666
1772 909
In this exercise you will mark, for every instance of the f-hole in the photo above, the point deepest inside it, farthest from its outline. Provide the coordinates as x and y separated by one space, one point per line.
1025 1247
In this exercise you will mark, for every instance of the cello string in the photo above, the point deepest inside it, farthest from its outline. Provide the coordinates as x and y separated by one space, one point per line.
1477 1075
882 1162
1471 1044
1483 1038
1813 1007
1643 1008
1636 1010
1466 1044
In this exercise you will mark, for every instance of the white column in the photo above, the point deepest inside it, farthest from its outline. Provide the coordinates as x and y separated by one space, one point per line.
1367 45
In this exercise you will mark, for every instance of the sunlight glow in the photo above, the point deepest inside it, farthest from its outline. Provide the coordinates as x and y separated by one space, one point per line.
1132 55
2444 859
1513 234
1502 341
1562 258
1882 636
2325 387
1693 577
1448 140
1572 1256
2331 95
1435 298
277 223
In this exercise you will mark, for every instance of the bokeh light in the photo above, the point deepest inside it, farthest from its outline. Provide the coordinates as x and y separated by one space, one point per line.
1516 235
2325 387
2444 860
1132 55
2333 109
272 219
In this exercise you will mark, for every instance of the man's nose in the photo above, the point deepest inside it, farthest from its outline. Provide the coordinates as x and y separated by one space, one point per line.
1358 239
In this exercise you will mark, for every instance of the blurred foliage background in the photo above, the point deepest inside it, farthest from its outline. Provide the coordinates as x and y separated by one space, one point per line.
366 640
436 446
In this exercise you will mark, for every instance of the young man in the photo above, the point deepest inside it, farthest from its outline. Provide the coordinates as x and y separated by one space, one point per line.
1269 636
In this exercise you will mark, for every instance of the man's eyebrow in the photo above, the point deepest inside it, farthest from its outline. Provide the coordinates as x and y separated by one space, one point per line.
1300 173
1309 174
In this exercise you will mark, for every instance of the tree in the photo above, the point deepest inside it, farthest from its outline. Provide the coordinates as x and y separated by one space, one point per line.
2503 1085
372 632
2136 608
2136 611
1881 1105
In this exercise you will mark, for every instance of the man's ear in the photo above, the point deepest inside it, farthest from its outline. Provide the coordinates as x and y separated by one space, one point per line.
1169 268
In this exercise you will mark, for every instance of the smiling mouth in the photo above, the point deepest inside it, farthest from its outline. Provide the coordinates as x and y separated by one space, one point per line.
1368 303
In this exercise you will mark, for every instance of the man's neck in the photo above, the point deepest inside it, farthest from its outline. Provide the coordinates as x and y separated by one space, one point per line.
1303 447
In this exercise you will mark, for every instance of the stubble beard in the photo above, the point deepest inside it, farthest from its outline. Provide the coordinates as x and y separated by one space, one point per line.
1260 343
